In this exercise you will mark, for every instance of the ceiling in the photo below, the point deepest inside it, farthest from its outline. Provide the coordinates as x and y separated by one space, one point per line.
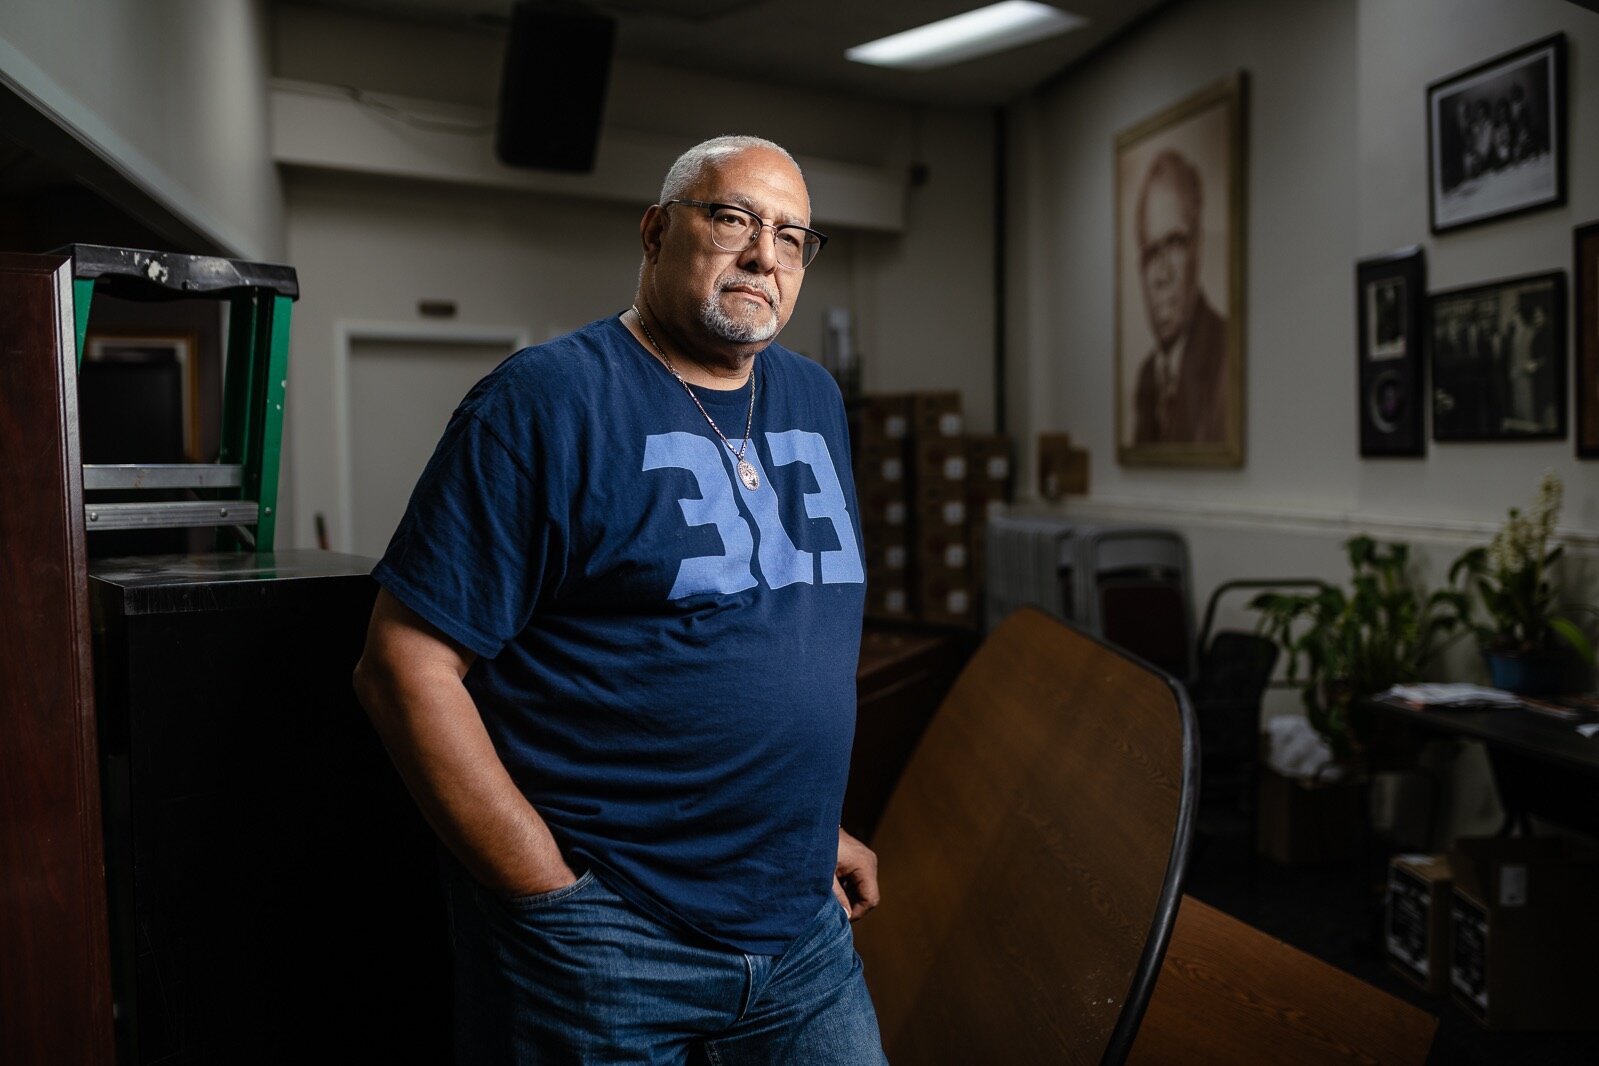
791 42
802 42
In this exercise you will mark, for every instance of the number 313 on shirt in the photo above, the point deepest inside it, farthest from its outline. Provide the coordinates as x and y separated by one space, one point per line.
779 561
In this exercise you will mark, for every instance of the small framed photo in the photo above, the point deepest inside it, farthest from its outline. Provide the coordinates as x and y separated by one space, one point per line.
1499 360
139 397
1391 305
1587 324
1496 137
1180 214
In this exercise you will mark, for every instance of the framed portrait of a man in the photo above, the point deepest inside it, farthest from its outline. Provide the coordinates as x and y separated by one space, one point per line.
1180 282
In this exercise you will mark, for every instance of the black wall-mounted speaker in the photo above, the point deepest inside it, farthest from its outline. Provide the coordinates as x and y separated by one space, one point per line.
552 94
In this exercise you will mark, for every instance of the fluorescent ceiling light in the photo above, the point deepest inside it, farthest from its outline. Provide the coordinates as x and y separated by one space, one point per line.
976 33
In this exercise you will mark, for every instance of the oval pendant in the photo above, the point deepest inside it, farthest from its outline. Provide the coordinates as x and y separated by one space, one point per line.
747 474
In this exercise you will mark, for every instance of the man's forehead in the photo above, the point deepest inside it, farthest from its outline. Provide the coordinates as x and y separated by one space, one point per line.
1163 207
758 180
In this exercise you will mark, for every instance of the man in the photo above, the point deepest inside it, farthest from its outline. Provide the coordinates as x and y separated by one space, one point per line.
1526 346
1466 123
1181 394
1482 138
614 659
1452 134
1526 137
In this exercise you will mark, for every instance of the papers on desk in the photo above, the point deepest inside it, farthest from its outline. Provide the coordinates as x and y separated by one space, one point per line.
1581 710
1568 708
1445 696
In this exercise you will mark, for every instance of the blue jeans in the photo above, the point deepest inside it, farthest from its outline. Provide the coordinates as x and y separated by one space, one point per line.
579 975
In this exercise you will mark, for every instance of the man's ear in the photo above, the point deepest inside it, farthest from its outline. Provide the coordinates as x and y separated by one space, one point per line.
651 230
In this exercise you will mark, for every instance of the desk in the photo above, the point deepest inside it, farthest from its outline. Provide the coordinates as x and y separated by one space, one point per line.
1541 765
905 671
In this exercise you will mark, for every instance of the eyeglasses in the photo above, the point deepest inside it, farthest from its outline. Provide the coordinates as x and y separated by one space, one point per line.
1168 246
734 229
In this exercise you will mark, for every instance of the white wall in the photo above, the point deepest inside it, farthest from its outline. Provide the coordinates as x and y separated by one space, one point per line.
172 93
1336 171
1403 47
925 298
369 247
1336 149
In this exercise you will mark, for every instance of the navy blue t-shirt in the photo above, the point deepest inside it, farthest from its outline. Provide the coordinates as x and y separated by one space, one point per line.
666 659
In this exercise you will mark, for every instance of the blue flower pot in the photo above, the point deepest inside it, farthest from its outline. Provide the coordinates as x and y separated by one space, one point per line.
1527 673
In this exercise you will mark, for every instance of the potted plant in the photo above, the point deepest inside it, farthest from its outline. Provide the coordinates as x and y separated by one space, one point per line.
1528 644
1346 643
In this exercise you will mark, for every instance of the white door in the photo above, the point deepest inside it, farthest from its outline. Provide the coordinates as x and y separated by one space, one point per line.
401 395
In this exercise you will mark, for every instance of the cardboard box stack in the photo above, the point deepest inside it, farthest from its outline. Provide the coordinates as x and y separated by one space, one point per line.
1522 938
925 491
946 589
988 488
1062 469
880 428
1307 822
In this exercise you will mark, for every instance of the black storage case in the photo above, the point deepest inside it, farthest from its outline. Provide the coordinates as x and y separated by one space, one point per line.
274 894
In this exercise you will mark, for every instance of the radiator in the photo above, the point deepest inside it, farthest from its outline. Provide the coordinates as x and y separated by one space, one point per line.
1128 584
1028 565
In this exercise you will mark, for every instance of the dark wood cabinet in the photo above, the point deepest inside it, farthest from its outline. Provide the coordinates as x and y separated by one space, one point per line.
905 671
55 989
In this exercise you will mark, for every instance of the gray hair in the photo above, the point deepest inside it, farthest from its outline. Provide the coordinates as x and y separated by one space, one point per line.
691 163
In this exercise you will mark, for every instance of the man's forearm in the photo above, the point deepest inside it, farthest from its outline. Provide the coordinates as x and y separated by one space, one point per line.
434 735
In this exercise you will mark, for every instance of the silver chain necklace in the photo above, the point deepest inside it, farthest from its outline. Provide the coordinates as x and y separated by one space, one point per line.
746 470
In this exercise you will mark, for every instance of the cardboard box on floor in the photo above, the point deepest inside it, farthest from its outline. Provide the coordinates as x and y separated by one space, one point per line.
1416 919
1523 938
1304 822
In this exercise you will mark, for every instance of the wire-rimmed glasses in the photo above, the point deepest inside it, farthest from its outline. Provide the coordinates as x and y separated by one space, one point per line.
733 229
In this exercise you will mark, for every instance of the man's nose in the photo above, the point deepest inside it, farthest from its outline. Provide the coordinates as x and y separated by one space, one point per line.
761 256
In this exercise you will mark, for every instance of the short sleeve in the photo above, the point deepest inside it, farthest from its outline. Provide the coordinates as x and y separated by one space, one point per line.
473 551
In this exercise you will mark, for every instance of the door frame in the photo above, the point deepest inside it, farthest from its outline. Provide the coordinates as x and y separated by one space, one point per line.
347 334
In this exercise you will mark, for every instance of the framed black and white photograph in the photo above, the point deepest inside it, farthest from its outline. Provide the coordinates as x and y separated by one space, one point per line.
1496 137
1390 294
1499 360
1587 324
1180 210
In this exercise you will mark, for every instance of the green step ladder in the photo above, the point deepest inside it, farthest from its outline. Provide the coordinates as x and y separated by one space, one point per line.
238 493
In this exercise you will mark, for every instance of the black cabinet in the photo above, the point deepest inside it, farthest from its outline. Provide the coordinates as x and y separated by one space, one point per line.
274 894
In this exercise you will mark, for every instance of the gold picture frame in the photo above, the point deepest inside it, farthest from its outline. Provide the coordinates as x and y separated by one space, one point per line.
1180 211
150 352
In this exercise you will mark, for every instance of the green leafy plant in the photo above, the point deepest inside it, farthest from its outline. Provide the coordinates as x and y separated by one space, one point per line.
1510 580
1343 643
